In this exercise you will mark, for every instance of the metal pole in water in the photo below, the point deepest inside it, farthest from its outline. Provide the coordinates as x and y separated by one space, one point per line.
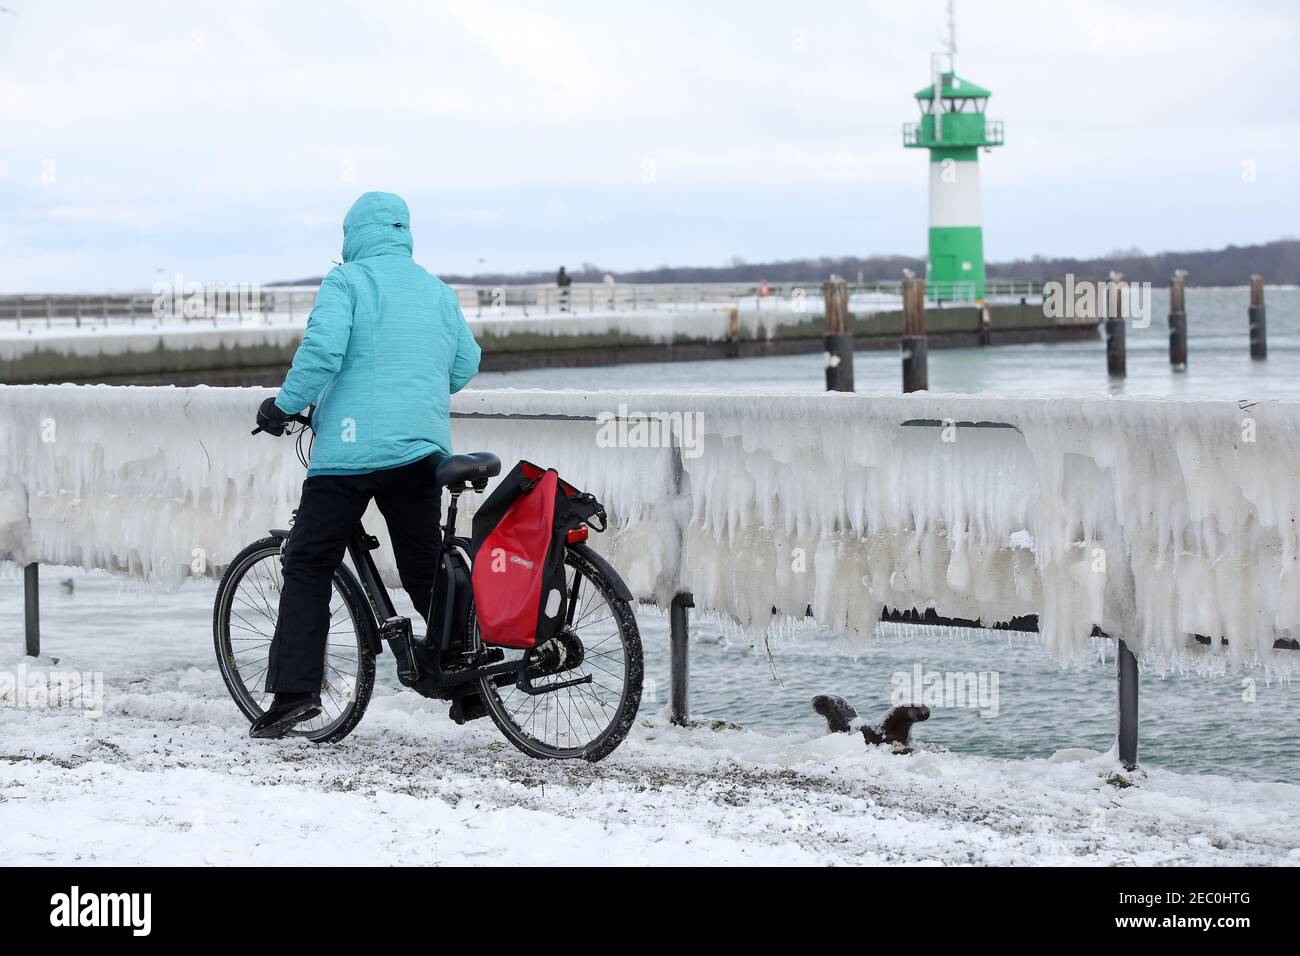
1177 323
1258 328
679 709
838 336
1127 680
916 376
1112 300
32 608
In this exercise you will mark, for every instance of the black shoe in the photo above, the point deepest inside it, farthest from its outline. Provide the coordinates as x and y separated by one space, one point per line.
286 711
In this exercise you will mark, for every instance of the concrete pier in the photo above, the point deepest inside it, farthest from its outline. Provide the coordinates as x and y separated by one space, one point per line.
243 355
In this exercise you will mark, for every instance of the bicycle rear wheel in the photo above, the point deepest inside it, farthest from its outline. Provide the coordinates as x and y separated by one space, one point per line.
587 720
243 623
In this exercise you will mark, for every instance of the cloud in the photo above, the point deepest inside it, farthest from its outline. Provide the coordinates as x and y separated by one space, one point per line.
214 130
315 220
92 214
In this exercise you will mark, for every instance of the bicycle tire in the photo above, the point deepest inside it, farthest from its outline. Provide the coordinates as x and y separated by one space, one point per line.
352 598
499 699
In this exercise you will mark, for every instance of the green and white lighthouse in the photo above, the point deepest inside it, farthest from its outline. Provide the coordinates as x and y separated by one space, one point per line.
953 128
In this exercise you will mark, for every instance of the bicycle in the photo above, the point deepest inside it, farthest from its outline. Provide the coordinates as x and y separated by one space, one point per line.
574 696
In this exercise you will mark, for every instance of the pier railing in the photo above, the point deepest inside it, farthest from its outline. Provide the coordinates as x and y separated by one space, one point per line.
1073 514
76 310
294 303
789 296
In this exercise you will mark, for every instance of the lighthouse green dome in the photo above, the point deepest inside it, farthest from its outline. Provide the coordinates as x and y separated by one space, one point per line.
955 88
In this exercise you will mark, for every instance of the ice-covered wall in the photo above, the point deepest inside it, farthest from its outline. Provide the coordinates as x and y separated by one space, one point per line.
710 324
123 339
1154 519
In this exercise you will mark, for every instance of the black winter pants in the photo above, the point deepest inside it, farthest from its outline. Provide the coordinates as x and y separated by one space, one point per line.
409 499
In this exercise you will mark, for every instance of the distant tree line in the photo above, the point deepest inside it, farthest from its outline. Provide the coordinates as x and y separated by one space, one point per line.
1278 262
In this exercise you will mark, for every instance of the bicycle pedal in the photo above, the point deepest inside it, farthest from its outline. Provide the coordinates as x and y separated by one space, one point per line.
397 632
467 708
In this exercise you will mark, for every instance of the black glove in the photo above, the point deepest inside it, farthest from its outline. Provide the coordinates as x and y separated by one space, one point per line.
270 419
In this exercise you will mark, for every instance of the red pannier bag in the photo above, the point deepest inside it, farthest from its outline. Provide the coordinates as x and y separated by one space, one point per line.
517 550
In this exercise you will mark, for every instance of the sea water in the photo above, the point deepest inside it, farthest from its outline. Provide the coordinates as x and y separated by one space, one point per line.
1236 723
1219 363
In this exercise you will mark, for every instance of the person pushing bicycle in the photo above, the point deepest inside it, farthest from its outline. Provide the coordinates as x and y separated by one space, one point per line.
385 348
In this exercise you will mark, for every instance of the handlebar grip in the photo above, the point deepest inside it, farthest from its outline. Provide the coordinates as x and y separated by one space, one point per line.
300 418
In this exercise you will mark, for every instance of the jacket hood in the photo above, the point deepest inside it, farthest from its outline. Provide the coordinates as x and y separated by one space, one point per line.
378 224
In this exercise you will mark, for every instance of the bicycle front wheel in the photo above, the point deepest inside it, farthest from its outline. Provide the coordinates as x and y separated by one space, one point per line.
243 623
601 647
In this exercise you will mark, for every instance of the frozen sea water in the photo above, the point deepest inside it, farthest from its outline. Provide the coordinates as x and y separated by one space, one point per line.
1190 723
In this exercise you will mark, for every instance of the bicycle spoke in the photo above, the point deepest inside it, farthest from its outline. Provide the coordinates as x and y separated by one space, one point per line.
250 616
564 718
253 679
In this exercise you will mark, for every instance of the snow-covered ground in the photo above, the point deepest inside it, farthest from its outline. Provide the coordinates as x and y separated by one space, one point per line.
168 776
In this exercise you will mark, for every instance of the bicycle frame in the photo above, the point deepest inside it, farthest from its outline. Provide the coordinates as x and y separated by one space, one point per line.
381 604
454 549
450 661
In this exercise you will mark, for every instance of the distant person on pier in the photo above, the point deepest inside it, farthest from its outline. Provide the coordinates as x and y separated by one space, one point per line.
386 346
563 281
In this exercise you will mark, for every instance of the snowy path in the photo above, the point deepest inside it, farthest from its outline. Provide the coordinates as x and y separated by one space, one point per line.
168 776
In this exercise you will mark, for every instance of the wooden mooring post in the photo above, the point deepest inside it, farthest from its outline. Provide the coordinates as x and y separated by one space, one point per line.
916 376
733 330
32 608
1258 328
838 336
1111 298
1177 323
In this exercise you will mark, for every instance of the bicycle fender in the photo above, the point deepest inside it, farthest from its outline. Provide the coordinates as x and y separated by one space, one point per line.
605 568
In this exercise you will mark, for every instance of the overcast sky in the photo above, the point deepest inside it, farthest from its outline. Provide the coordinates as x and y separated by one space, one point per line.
226 140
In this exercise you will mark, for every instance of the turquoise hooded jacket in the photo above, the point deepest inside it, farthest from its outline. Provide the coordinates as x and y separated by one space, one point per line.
386 346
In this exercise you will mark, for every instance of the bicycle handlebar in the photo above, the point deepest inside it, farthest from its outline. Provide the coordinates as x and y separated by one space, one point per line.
301 419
